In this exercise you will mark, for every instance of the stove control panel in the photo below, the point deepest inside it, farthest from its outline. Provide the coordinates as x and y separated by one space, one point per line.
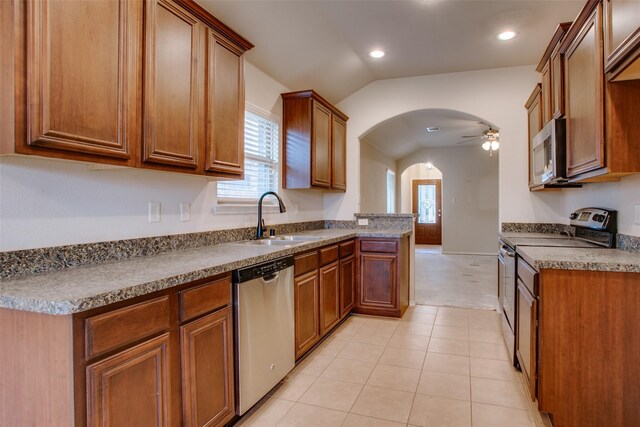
594 219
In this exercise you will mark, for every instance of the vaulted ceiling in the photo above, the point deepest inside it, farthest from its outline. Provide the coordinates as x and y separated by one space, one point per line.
324 44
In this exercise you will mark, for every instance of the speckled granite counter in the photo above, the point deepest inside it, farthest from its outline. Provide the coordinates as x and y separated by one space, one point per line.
591 259
78 289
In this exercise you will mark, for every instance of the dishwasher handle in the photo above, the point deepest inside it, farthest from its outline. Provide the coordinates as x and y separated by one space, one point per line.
270 278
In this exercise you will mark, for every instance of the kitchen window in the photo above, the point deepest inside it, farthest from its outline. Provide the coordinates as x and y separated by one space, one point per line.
391 191
261 143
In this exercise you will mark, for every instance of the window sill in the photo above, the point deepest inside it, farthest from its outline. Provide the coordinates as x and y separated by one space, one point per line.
231 209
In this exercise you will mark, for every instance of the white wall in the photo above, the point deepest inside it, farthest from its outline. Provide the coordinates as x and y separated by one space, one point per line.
373 178
498 96
45 202
469 195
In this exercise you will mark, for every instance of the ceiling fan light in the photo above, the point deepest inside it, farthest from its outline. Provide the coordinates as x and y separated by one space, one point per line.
377 54
495 145
486 146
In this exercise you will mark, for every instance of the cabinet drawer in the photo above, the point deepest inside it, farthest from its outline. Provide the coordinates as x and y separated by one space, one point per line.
347 248
305 263
114 329
527 275
328 255
390 246
205 298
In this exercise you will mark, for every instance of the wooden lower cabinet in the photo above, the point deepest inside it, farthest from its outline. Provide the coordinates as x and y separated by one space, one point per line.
329 296
133 363
131 387
383 277
324 292
207 369
306 308
347 284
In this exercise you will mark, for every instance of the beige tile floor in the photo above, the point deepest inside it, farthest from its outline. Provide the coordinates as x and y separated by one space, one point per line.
437 366
455 280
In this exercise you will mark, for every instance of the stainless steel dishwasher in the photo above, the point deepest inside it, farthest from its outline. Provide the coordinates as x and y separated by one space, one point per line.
264 329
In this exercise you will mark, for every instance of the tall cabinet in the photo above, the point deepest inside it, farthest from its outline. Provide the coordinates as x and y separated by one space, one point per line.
315 141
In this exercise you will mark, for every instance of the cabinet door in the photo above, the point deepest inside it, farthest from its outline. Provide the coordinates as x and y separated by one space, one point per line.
207 370
306 307
131 388
557 84
171 106
225 108
534 115
347 284
321 146
621 30
527 339
378 281
339 150
547 97
329 296
584 92
82 78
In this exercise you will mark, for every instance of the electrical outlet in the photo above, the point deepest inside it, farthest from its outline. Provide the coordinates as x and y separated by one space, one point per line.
185 212
636 214
154 211
363 221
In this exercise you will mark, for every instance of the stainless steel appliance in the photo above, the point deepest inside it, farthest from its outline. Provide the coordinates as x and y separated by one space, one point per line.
264 326
506 294
548 157
592 228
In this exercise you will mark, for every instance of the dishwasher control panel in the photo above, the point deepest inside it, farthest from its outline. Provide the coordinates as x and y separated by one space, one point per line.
261 270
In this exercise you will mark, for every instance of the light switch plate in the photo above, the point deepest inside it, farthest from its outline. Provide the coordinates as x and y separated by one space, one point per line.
185 212
154 211
363 221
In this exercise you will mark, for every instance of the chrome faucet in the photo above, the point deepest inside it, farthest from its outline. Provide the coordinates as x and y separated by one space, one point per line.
261 228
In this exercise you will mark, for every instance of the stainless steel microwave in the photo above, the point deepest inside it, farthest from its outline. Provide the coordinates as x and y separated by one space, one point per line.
548 154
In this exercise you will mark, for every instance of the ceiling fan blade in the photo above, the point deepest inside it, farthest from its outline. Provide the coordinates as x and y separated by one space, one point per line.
472 136
468 140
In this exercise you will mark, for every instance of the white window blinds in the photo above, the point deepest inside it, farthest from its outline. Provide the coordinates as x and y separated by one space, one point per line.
260 162
391 191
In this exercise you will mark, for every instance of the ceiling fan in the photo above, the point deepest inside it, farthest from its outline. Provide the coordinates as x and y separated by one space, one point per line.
490 136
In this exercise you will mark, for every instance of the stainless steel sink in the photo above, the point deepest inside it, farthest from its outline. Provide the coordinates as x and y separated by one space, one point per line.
285 240
297 238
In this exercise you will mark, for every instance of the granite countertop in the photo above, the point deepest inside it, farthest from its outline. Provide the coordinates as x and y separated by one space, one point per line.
79 289
507 236
591 259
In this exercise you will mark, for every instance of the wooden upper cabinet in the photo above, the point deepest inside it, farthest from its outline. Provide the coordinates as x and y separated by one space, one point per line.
155 84
552 73
547 97
225 107
584 95
82 73
339 153
173 84
622 38
534 120
314 142
321 146
557 84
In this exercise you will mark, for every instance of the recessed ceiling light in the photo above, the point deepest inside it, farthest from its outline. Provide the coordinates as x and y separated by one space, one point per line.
507 35
433 129
377 54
